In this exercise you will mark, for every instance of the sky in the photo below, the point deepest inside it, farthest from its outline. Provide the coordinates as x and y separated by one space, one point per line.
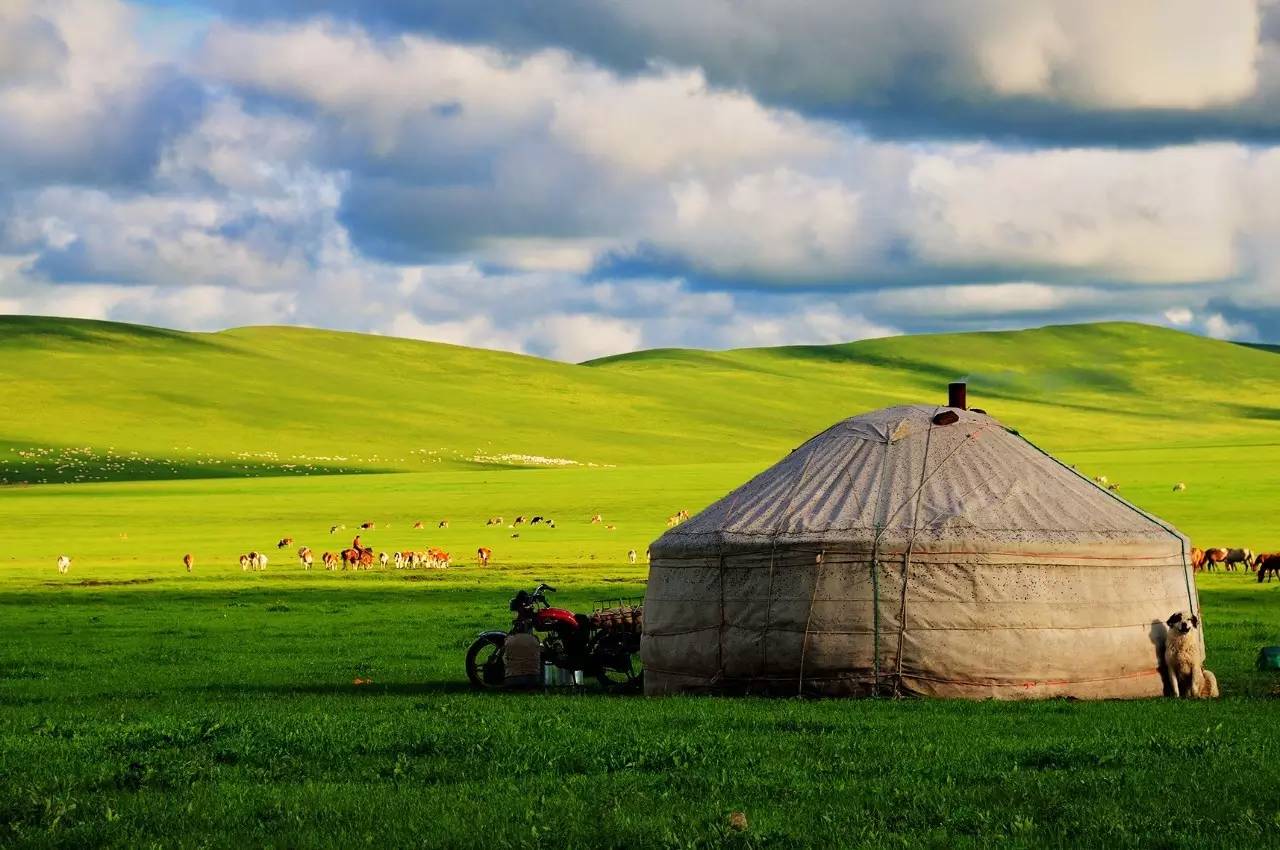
576 178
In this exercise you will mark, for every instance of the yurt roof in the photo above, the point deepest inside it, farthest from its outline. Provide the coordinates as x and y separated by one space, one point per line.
895 477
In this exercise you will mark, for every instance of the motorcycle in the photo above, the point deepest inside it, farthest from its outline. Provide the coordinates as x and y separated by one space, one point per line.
604 644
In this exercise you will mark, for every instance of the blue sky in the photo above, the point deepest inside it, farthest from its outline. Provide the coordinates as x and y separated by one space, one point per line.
573 178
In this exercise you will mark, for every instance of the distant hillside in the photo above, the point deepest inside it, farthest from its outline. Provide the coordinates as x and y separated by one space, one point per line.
95 399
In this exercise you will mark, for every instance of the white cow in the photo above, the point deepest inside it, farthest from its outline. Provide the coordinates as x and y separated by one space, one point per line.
631 556
382 559
64 564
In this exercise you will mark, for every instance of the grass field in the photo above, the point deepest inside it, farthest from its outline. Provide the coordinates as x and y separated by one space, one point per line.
142 706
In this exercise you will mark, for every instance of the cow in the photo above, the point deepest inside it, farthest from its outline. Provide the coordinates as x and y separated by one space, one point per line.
368 526
329 560
611 528
334 529
305 556
535 520
409 559
631 556
444 523
398 557
285 543
1113 487
519 520
1244 557
494 520
188 561
1268 565
350 558
438 558
483 554
1180 487
1197 559
596 519
417 525
383 558
1213 557
64 564
244 563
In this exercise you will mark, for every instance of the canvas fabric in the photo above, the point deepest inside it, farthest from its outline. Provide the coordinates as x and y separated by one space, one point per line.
892 555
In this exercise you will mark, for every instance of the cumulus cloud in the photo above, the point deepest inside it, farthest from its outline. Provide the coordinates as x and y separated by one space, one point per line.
1060 70
566 195
80 100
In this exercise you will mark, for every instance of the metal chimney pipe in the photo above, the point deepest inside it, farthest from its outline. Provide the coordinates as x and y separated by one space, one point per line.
957 395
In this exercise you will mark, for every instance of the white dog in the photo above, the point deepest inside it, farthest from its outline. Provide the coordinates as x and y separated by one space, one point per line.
1184 659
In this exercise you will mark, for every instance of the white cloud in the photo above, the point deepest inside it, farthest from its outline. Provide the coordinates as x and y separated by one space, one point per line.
1180 316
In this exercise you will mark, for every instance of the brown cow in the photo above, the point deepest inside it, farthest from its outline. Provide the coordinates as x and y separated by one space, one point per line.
284 542
483 554
330 561
305 556
1213 557
1197 559
368 526
1268 565
188 561
418 524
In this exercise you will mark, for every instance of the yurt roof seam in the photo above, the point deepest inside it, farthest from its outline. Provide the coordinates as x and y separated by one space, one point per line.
1191 597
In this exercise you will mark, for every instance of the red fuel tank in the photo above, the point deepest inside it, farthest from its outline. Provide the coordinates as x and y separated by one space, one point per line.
555 618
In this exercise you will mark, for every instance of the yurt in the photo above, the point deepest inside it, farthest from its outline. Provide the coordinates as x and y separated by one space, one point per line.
915 550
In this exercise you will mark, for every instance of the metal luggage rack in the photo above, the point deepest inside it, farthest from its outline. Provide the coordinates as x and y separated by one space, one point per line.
622 614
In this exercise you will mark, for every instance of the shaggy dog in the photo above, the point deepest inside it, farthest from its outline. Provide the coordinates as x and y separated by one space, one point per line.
1184 659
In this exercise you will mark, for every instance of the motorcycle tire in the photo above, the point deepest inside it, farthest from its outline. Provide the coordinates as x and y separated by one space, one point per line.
486 674
620 673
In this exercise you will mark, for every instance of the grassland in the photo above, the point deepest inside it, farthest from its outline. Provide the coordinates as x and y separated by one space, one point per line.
141 706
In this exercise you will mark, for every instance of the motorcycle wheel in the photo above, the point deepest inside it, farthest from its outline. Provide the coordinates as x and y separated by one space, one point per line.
485 667
620 672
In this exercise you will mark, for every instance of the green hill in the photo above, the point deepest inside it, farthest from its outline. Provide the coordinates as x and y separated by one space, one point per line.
92 400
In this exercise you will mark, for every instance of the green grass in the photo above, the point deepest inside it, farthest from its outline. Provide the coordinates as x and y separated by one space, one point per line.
142 706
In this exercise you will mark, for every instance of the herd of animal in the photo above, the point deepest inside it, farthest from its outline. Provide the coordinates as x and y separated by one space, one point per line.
1266 564
360 557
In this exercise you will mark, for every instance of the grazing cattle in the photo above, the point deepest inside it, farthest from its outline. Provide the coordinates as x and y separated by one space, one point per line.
483 554
366 558
329 560
444 523
188 561
677 518
244 563
305 556
285 542
368 526
494 520
631 556
1213 557
517 534
535 520
611 528
438 558
596 519
551 523
409 559
1197 559
519 520
259 561
64 564
1244 557
334 529
1268 565
350 558
1100 479
1179 487
383 559
417 524
1113 487
398 557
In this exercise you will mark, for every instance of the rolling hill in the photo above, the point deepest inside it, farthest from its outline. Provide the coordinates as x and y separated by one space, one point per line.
93 400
